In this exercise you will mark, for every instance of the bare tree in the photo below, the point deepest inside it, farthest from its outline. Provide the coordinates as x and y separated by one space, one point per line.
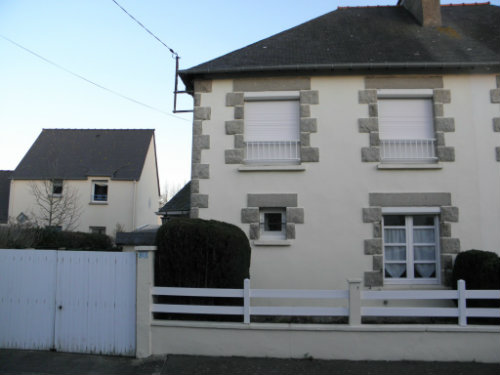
57 204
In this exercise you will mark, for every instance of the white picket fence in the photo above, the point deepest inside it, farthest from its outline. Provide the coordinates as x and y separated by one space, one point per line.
352 298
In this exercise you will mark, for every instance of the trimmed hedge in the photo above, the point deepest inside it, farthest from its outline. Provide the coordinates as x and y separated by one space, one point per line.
200 253
480 270
19 237
53 239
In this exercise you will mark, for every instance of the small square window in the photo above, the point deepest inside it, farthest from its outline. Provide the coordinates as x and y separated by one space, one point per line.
273 224
98 230
99 191
57 187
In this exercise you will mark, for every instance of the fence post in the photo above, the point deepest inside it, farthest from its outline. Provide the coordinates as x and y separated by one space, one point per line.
462 303
246 301
145 275
354 301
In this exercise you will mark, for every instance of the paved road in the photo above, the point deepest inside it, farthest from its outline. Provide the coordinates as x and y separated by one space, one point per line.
43 363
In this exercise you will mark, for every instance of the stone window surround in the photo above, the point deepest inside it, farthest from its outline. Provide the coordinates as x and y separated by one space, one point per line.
374 247
256 202
235 126
201 142
369 125
495 98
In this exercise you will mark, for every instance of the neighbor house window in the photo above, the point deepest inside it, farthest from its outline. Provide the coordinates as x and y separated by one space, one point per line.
406 126
272 128
99 191
411 248
98 230
57 187
273 223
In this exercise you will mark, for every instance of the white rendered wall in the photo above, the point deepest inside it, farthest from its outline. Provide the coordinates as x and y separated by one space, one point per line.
328 247
148 194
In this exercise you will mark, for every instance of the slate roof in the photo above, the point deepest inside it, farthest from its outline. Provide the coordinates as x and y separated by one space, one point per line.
179 202
4 195
369 38
75 154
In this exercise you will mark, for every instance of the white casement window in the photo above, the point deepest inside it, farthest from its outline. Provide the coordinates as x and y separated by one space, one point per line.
57 187
411 248
99 191
272 127
406 126
273 224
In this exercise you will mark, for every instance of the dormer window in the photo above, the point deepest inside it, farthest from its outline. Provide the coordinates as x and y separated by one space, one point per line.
99 191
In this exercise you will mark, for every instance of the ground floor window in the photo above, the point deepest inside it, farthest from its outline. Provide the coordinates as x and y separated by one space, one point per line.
273 223
411 248
98 230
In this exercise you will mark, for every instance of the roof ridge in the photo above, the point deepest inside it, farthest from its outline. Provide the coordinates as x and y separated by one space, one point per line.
393 6
465 4
368 6
97 129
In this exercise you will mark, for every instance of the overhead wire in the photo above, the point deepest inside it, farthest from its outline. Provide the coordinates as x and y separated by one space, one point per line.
90 81
174 54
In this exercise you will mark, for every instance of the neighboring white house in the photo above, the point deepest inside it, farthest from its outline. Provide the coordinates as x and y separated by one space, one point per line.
112 173
362 144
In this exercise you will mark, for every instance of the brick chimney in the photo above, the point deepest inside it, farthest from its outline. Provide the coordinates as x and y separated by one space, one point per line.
427 12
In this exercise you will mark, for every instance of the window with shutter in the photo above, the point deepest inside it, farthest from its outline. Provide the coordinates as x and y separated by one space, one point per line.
406 127
272 129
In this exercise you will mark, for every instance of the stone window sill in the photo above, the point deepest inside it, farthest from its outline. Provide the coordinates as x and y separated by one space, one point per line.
271 168
272 243
392 166
99 203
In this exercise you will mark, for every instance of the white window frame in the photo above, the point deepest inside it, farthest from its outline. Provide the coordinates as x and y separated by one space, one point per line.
409 213
99 182
271 149
419 148
272 235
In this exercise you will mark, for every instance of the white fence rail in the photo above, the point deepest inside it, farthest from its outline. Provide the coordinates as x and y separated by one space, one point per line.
351 298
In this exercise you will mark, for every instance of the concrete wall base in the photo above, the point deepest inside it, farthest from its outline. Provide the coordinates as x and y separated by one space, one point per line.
366 342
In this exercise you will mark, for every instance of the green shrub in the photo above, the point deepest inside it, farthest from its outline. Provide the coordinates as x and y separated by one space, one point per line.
201 254
50 238
480 270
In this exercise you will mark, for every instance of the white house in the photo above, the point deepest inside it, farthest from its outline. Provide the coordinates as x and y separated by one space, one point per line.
361 144
112 174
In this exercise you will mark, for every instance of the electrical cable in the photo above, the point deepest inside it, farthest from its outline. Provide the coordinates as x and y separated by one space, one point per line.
89 81
174 54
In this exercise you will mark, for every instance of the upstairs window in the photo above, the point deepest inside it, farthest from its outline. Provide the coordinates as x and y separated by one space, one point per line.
57 187
406 126
99 191
272 128
411 248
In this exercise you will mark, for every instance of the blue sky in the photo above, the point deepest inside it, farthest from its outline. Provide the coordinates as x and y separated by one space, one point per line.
95 39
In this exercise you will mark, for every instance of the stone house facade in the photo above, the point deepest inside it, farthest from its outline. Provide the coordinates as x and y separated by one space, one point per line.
344 152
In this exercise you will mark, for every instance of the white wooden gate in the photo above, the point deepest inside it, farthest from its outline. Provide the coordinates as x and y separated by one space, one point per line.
72 301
